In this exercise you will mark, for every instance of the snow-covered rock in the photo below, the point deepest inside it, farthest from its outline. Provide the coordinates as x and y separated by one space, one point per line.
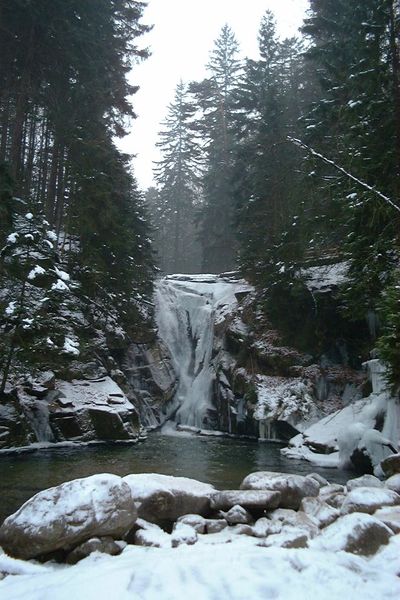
66 515
161 497
183 534
215 525
105 545
198 522
237 515
369 499
319 511
292 488
289 537
88 410
390 516
296 519
364 481
393 483
357 533
250 499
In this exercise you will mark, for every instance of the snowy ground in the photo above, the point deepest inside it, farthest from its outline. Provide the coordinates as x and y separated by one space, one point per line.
228 569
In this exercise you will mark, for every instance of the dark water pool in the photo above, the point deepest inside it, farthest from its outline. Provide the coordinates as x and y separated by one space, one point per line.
222 462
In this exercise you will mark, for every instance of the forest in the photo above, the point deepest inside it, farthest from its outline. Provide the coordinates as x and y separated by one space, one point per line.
267 166
200 380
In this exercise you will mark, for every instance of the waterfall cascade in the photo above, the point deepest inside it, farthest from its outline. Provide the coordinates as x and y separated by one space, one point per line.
187 307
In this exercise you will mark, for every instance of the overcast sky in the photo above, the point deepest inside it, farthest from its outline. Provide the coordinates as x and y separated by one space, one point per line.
182 37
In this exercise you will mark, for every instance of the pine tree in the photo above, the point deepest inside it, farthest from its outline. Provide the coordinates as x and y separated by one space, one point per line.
178 177
217 98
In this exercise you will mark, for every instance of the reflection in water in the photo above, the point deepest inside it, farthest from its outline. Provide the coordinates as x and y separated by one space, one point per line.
219 461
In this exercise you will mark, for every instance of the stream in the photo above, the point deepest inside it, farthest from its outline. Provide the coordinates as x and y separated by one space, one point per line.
223 462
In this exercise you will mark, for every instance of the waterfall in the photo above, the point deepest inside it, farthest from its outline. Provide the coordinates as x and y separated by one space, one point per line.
185 318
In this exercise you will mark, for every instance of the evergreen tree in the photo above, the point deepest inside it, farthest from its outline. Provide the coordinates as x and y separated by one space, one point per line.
268 188
217 100
178 178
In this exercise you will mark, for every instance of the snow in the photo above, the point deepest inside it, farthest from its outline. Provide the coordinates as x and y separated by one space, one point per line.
84 394
283 398
235 571
335 537
62 274
60 286
29 216
52 236
324 277
37 270
10 309
71 347
12 238
143 485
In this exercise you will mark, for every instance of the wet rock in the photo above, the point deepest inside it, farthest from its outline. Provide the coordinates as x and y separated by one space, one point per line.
66 515
368 500
249 499
391 465
292 488
364 481
319 511
163 497
105 545
357 533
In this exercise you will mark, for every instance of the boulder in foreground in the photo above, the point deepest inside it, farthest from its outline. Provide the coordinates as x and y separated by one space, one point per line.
64 516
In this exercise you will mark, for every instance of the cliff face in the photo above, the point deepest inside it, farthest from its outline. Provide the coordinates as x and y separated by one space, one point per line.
96 401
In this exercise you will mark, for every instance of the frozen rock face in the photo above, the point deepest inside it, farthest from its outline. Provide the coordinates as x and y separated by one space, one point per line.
93 409
357 533
163 497
188 308
292 488
66 515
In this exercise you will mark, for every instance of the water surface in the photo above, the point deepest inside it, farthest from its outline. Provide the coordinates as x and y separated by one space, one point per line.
223 462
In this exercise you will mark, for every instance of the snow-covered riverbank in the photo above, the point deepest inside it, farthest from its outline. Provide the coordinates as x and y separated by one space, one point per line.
279 536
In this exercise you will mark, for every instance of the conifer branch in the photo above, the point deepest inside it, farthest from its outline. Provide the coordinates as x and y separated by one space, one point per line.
342 170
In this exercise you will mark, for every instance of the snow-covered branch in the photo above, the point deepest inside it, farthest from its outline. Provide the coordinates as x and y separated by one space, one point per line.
344 172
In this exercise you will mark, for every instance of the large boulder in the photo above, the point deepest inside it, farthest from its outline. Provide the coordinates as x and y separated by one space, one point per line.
64 516
163 497
368 500
292 488
357 533
250 499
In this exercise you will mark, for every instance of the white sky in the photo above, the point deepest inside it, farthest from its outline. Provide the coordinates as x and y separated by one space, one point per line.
182 37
